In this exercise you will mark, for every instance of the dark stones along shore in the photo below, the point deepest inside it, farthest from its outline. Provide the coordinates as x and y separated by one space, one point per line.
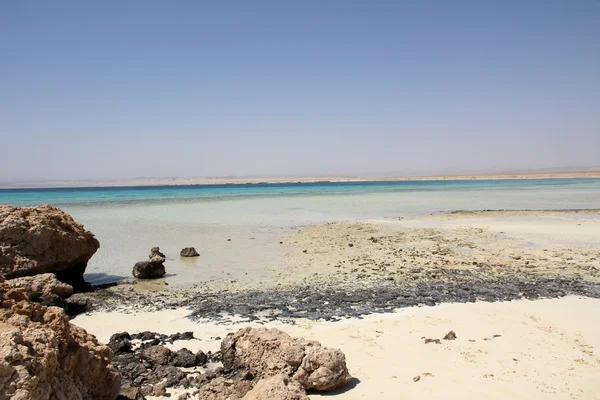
333 301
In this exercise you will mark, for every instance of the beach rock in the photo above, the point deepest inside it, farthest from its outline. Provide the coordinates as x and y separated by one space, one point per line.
155 252
37 240
149 269
43 284
189 252
201 358
181 336
270 352
221 388
43 356
120 343
278 387
129 392
158 355
450 336
184 358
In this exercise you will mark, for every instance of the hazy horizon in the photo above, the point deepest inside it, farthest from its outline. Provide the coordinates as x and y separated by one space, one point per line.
115 91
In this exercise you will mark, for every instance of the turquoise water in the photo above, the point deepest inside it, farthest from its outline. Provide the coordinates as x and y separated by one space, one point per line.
96 196
129 221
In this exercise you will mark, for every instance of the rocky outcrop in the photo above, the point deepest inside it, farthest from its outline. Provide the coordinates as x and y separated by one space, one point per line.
149 269
189 252
269 352
278 387
43 288
45 284
43 356
37 240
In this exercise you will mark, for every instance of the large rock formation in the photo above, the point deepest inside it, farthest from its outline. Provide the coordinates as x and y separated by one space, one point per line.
37 240
43 356
269 352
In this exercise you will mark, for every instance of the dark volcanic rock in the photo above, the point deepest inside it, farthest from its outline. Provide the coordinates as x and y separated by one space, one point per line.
189 252
201 358
120 343
149 269
184 358
181 336
159 355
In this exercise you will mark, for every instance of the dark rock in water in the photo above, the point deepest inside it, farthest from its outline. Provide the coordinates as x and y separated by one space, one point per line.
450 336
120 343
155 251
159 355
184 358
189 252
149 269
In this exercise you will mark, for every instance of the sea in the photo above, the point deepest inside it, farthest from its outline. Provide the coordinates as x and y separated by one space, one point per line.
238 228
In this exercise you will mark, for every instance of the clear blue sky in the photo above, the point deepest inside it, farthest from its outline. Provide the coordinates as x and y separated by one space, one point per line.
121 89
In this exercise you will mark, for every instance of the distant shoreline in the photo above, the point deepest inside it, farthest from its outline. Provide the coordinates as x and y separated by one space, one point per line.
588 173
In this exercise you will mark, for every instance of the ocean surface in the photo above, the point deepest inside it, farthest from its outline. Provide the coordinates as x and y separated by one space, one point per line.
128 221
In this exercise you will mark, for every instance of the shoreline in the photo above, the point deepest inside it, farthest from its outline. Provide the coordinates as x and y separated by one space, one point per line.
593 173
447 258
502 301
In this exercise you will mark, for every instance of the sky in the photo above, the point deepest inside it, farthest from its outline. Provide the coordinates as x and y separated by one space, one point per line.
125 89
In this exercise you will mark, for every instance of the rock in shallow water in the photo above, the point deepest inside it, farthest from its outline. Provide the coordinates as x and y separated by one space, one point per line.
189 252
154 252
149 269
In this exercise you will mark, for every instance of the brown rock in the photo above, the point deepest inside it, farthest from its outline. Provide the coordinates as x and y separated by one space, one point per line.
450 336
270 352
158 355
155 252
37 240
43 356
189 252
149 269
43 283
278 387
222 388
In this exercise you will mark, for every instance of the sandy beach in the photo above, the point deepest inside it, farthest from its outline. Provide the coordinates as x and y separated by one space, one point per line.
413 279
543 349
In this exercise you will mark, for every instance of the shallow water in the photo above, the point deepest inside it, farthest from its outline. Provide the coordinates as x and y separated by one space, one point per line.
129 221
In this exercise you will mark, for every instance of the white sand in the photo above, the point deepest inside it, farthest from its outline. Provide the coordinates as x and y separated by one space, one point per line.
548 349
